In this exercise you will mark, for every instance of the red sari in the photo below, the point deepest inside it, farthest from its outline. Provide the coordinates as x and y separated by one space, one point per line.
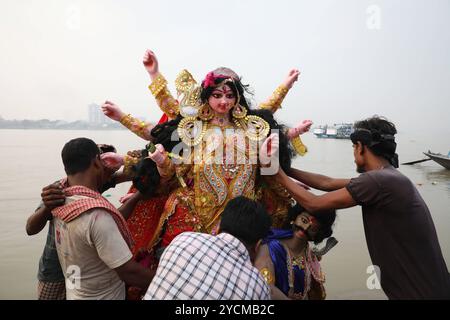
142 224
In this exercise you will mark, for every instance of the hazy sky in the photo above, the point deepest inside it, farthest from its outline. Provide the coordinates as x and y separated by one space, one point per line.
357 57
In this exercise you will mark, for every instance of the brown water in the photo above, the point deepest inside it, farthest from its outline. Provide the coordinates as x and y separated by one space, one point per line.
30 159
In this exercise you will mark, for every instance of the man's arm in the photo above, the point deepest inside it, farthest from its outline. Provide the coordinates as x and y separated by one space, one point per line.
52 197
37 221
133 274
121 177
128 206
338 199
318 181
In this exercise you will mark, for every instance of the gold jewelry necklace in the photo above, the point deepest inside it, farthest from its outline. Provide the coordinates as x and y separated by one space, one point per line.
298 260
255 128
290 263
220 120
191 130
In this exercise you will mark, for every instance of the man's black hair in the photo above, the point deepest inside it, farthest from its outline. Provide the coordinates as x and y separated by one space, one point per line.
78 154
377 134
246 220
106 148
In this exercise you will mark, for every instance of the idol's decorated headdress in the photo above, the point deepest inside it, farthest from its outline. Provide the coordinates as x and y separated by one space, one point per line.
219 73
189 91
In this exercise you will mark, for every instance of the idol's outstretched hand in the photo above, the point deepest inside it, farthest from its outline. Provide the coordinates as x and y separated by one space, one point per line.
112 111
291 78
301 128
151 63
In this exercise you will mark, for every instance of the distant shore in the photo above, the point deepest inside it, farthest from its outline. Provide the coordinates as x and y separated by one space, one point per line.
46 124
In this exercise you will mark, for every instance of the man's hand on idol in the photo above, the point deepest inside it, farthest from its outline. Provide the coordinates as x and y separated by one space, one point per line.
53 196
126 197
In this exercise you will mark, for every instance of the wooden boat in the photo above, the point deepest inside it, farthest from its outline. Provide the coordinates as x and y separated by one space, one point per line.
439 158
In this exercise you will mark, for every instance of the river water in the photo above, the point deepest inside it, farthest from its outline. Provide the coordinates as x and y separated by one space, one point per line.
30 159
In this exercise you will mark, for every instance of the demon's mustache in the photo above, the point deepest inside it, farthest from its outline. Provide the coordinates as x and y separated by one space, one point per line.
298 228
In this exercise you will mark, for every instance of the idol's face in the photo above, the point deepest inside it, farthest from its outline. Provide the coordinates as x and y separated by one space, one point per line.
222 99
305 226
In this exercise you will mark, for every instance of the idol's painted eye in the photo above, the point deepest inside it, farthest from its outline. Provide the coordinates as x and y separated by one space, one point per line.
230 96
217 95
304 220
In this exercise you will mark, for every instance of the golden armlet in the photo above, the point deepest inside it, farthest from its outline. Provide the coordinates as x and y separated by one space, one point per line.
157 85
298 146
276 99
126 120
167 103
162 95
135 125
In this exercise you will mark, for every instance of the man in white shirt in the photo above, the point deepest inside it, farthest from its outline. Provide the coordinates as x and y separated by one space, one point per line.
91 236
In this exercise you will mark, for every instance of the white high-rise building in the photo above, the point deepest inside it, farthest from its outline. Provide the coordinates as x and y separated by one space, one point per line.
95 115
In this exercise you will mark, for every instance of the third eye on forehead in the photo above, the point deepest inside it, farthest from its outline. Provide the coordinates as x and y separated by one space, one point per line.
223 90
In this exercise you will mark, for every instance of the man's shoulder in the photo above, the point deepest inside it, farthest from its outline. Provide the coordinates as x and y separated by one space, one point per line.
387 176
190 237
389 180
187 245
193 243
99 220
99 217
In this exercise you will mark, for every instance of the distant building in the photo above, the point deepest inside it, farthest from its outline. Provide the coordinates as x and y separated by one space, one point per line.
96 116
